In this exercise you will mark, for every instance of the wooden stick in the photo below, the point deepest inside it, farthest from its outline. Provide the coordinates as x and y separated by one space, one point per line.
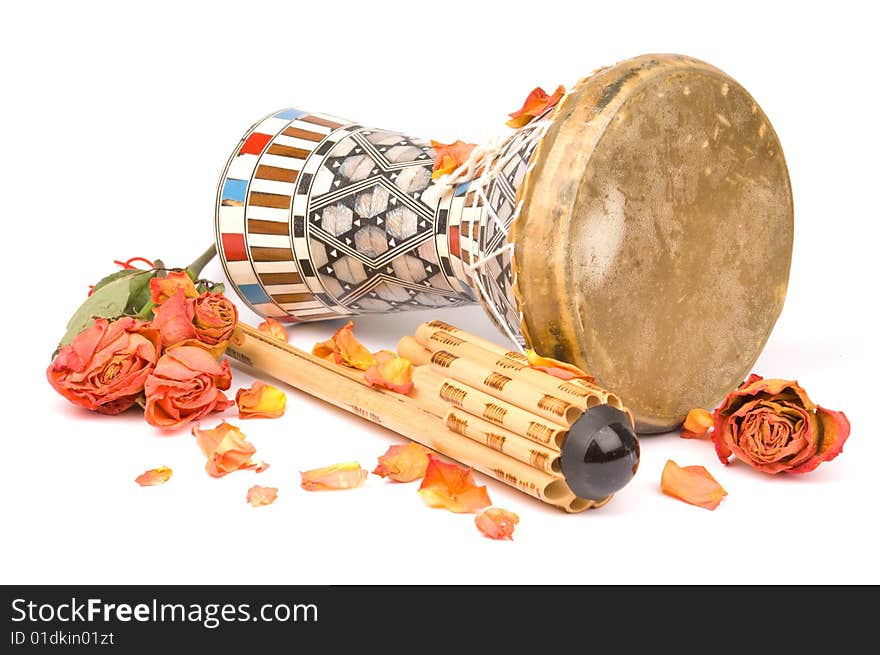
452 393
504 441
347 389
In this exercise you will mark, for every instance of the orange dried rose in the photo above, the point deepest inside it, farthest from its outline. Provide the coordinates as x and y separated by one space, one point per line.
105 367
343 348
261 400
259 496
391 372
449 156
696 425
452 487
555 367
536 103
330 478
227 450
496 523
272 328
403 463
154 476
214 318
174 319
773 426
692 484
186 385
162 288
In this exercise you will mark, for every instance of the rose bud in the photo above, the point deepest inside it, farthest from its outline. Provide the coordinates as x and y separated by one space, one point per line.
174 319
162 288
773 426
185 386
214 318
106 365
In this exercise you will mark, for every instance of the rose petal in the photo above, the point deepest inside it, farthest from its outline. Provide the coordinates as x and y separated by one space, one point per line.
227 450
272 328
403 463
692 484
261 400
162 288
536 103
337 476
834 428
393 373
496 523
697 424
556 368
452 487
153 477
258 496
449 156
174 319
343 348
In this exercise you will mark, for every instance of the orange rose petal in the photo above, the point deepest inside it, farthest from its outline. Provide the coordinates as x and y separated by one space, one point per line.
403 463
496 523
692 484
261 400
272 328
393 373
329 478
227 450
258 496
697 424
452 487
153 477
162 288
834 428
536 103
343 348
449 156
555 367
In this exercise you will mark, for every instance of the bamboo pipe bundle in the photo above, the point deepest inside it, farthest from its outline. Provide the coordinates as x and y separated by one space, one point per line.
577 391
347 389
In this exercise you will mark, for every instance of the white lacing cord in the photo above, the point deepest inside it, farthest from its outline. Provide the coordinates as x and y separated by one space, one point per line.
489 160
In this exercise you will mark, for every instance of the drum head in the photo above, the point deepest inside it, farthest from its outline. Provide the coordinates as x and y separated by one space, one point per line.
654 242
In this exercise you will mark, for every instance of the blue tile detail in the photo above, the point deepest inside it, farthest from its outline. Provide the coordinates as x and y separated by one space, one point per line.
290 114
461 189
254 293
234 190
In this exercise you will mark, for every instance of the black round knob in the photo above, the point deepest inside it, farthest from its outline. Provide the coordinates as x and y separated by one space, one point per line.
600 454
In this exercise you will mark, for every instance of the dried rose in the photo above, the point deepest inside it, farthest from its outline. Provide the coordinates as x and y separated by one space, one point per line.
692 484
773 426
391 372
536 103
330 478
696 425
403 463
162 288
555 367
452 487
272 328
496 523
174 319
214 318
106 365
343 348
259 496
227 450
449 156
154 476
186 385
261 400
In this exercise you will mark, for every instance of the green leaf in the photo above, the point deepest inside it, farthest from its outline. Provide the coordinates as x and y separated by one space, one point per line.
139 292
109 301
104 281
146 312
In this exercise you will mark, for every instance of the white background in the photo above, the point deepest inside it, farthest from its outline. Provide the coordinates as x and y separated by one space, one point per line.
117 121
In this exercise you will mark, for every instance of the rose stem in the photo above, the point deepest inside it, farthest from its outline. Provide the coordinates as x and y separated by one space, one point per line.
199 263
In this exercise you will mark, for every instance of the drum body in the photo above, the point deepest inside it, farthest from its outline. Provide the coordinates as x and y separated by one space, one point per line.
642 230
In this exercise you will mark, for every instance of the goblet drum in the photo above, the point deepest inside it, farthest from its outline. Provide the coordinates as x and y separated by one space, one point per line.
641 229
